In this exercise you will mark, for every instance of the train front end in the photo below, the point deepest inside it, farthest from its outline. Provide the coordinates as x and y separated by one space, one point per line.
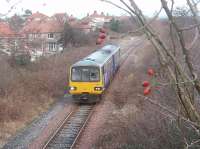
85 82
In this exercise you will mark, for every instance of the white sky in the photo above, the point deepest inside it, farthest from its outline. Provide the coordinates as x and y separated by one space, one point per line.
78 8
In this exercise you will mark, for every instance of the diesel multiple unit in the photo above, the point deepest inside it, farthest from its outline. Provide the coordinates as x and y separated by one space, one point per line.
91 76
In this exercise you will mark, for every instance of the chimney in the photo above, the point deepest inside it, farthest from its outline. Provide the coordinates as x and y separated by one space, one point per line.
95 12
102 14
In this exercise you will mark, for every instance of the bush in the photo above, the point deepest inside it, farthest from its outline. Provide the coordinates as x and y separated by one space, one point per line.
76 37
114 25
21 59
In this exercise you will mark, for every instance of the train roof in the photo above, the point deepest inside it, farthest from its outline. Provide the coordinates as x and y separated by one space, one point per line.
99 57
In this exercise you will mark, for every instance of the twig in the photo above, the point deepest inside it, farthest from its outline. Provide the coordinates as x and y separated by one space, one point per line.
147 24
194 142
190 27
109 2
185 82
168 110
194 40
11 8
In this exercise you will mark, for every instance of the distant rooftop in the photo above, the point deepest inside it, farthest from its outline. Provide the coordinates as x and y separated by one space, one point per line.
5 30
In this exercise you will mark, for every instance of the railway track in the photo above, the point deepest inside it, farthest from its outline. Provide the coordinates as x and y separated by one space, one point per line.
129 49
70 130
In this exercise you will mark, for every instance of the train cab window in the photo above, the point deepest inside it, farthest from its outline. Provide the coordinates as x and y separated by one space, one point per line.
94 74
76 74
85 74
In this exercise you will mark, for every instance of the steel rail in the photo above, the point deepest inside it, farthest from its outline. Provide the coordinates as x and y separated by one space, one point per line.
82 128
129 50
58 129
71 128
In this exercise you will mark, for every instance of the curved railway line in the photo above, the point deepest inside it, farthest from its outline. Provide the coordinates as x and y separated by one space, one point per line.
67 134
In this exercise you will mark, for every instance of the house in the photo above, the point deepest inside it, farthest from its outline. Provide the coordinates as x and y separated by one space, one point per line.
72 19
36 17
90 22
83 26
96 20
43 32
61 17
7 38
5 30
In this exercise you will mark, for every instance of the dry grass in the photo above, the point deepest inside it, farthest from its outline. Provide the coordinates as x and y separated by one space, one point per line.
135 122
26 92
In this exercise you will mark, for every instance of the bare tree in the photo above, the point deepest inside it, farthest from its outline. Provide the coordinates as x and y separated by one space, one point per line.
167 56
176 56
12 6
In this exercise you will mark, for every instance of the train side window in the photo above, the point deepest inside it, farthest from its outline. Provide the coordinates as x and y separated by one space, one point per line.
102 70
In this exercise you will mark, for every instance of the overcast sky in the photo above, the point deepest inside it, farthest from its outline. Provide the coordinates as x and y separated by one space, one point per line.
78 8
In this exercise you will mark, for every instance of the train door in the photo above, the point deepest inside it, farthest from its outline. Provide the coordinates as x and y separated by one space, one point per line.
113 64
106 75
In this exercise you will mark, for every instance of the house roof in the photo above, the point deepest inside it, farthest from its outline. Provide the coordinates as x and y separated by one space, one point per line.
5 30
95 15
123 17
71 18
82 26
51 25
37 15
60 17
47 25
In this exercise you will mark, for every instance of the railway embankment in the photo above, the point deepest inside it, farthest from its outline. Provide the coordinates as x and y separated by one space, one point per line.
50 74
29 91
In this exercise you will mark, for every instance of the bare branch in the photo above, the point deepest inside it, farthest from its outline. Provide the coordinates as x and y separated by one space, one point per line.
178 83
190 27
168 110
194 40
150 22
194 143
167 56
109 2
11 8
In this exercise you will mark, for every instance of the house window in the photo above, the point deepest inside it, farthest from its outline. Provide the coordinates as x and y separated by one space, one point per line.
34 35
50 35
52 46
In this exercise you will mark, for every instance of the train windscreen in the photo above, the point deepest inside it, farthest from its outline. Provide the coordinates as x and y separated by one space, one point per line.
85 74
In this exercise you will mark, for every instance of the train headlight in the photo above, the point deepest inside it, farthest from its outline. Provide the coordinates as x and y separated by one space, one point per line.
72 88
98 88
